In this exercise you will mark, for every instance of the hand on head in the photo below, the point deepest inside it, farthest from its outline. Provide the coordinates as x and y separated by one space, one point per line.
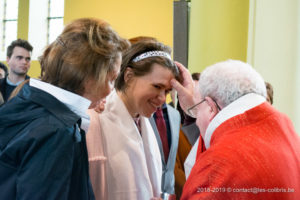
185 90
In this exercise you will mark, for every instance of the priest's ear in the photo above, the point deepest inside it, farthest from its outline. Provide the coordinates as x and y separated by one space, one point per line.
214 108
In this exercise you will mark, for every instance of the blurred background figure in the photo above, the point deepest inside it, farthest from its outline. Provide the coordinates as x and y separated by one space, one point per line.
166 125
3 74
3 70
270 92
18 60
188 136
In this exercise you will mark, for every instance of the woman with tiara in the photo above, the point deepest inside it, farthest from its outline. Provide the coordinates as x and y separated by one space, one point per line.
130 158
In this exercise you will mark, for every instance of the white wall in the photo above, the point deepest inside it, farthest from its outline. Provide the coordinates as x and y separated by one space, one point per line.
274 48
297 74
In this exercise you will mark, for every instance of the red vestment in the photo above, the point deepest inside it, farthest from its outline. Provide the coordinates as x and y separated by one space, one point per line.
254 155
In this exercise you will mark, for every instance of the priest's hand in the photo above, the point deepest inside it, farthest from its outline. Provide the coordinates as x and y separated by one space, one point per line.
185 90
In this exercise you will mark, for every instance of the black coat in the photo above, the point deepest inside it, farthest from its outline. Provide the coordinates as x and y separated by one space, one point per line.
43 153
7 89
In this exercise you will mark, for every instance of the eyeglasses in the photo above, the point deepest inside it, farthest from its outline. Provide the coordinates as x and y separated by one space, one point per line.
192 111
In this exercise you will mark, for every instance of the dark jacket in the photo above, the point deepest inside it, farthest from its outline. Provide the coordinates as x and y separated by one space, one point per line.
7 89
43 153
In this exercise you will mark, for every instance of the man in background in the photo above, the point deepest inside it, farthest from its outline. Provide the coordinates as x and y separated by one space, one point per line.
166 126
18 60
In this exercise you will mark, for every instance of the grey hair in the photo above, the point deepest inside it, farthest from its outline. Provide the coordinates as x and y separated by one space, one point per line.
229 80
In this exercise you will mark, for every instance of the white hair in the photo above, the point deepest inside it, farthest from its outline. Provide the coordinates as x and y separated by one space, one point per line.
229 80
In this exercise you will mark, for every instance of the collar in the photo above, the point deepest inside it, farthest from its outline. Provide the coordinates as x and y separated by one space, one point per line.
235 108
77 104
164 106
15 84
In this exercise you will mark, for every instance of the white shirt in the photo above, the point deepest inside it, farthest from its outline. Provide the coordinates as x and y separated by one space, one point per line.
74 102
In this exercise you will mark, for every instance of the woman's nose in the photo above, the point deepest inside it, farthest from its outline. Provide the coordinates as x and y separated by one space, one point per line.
162 96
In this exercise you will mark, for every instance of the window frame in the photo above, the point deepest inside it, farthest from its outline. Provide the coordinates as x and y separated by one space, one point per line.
5 21
49 18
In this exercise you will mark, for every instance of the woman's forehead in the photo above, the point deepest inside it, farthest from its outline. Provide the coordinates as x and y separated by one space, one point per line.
159 75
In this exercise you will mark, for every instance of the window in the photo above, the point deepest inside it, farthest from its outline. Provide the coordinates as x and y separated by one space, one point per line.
45 23
55 19
9 23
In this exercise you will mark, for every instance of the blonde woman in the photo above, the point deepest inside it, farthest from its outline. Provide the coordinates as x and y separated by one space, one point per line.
43 150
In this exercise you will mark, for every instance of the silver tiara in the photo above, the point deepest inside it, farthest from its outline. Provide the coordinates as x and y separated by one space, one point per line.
151 54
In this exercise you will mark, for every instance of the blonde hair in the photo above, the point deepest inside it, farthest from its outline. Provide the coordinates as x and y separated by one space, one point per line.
86 49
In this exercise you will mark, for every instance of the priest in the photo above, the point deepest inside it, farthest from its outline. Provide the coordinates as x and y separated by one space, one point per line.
252 150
